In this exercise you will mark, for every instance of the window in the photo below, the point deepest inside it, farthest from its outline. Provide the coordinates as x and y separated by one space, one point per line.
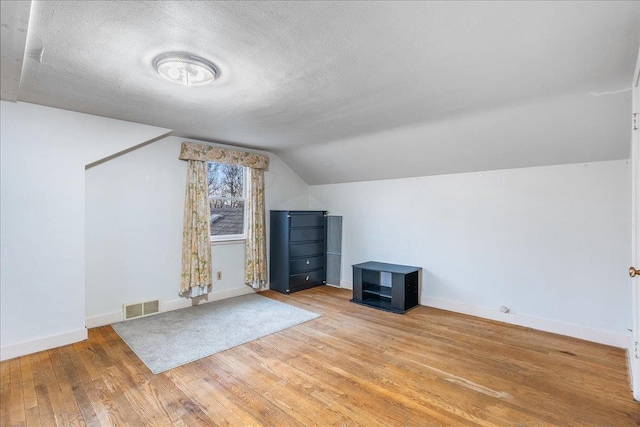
227 201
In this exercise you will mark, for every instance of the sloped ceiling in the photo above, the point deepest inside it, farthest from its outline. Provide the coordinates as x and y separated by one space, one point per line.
13 36
350 91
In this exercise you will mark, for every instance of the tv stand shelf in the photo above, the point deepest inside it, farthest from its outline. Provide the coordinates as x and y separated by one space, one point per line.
381 291
388 287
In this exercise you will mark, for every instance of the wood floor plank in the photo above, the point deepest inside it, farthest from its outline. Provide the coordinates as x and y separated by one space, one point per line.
89 357
41 383
79 386
102 399
396 380
208 399
353 366
252 401
182 409
16 410
53 393
328 397
142 396
28 387
275 389
353 391
117 377
5 392
32 412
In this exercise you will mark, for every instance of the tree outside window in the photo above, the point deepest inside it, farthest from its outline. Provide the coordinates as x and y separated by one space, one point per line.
227 201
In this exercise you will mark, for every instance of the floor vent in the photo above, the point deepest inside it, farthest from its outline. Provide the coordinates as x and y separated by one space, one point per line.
140 309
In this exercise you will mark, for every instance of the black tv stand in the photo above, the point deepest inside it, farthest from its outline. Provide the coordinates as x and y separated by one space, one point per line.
388 287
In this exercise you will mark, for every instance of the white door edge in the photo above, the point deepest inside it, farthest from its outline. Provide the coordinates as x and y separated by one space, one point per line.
635 236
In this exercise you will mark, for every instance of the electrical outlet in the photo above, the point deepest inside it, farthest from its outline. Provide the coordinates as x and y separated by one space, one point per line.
218 275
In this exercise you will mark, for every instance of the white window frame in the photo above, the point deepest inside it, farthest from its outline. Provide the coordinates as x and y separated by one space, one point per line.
245 190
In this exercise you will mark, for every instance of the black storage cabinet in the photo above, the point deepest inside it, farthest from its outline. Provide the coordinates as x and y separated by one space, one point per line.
389 287
298 250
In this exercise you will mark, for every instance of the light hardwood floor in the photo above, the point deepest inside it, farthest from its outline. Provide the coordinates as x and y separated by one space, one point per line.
352 366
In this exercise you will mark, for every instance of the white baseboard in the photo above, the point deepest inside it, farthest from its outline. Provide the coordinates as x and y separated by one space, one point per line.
104 319
40 344
575 331
177 304
115 317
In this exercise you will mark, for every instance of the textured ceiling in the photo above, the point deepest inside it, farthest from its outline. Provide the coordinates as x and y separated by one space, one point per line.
328 84
13 36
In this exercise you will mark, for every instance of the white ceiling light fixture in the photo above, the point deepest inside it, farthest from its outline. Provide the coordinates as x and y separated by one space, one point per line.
185 68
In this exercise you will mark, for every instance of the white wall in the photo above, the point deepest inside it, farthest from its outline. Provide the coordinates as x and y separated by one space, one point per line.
43 155
551 243
134 212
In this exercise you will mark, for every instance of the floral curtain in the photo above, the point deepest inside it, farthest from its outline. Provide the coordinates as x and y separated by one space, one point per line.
207 153
255 266
196 247
255 257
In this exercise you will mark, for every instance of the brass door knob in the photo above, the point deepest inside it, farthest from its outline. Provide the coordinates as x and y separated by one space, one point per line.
633 272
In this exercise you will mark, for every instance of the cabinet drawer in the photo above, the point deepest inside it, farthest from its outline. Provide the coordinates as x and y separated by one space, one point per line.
306 264
307 220
297 280
298 250
306 234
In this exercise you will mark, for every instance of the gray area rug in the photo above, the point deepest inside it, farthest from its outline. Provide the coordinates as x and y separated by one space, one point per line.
174 338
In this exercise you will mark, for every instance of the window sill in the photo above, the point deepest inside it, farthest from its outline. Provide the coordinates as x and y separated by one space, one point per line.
232 241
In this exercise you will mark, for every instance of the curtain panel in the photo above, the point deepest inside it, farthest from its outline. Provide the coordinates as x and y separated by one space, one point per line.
255 266
196 263
196 248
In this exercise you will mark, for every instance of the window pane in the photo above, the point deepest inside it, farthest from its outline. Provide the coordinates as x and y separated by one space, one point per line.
227 217
225 180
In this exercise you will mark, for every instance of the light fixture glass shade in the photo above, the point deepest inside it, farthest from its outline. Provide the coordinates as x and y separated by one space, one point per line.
184 68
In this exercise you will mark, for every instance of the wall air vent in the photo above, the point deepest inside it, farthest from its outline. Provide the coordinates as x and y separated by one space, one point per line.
132 310
140 309
151 307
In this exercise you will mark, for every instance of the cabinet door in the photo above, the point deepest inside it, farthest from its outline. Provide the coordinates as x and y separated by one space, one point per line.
334 249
